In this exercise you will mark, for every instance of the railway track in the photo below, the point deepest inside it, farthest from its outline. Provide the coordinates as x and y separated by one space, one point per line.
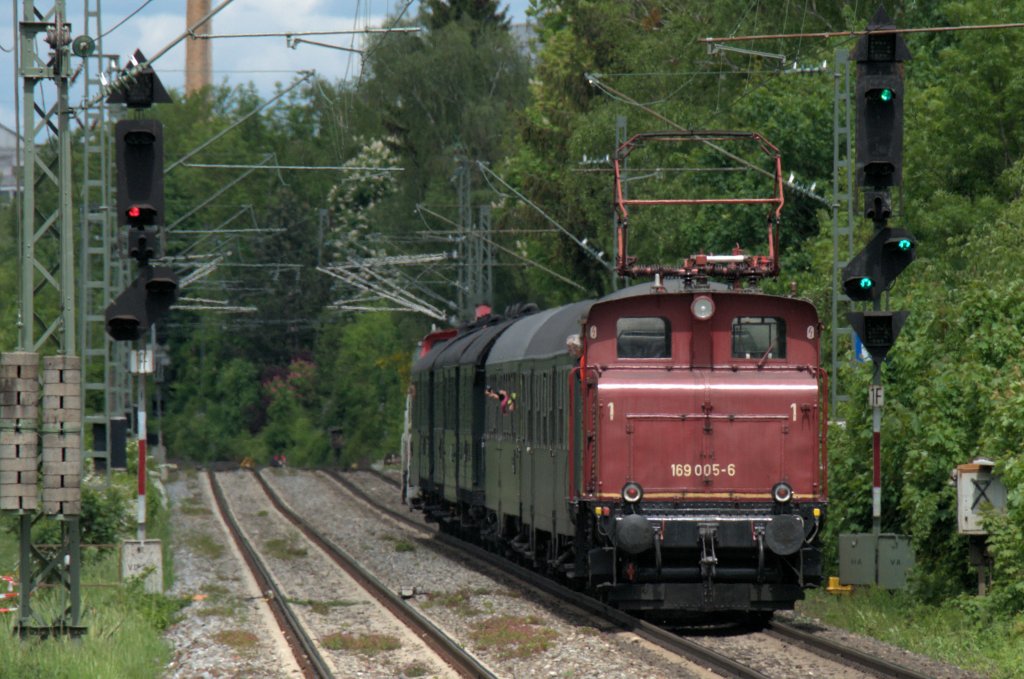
835 651
303 647
819 646
449 651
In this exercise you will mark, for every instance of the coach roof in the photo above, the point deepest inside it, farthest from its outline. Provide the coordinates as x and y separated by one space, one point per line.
541 335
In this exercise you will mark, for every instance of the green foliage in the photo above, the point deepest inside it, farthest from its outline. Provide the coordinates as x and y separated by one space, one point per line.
215 410
108 516
960 631
107 512
364 371
439 13
276 379
125 625
289 428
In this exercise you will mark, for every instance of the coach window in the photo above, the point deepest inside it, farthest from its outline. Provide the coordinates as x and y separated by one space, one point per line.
645 337
758 337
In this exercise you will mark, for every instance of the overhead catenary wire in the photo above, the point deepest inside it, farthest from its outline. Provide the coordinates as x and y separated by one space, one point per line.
853 34
261 166
306 75
582 245
394 23
596 82
288 34
216 194
131 73
527 260
396 296
124 20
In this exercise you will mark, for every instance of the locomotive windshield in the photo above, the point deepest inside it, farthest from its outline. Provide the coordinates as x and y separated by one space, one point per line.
646 337
758 336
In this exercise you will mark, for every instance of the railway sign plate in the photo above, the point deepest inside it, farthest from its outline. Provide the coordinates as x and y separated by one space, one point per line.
876 396
142 559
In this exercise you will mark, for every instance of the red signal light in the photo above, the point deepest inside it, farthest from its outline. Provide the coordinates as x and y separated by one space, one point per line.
134 212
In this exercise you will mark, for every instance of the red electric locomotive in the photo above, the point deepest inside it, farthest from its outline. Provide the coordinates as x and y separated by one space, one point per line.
662 447
703 463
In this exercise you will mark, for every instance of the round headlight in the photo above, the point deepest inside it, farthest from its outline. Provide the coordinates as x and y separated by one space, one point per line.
632 492
703 308
782 492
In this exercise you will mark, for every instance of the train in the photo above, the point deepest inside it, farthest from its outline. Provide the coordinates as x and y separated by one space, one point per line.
661 447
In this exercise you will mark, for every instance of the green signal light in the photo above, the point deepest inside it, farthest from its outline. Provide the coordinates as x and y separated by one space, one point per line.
886 94
904 244
865 283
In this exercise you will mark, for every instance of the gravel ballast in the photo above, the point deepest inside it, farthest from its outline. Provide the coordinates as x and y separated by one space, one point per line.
514 630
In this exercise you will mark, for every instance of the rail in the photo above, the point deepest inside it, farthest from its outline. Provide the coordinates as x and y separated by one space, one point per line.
453 654
667 640
302 645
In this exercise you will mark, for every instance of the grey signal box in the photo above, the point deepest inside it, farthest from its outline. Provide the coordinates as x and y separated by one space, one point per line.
873 559
857 558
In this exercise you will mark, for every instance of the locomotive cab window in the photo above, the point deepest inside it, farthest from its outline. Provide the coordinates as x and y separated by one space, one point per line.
645 337
758 336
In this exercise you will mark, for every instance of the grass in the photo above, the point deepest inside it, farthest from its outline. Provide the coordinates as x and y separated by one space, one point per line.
513 636
240 640
400 544
221 611
415 670
284 549
204 545
324 607
947 632
460 601
125 626
404 546
367 644
194 506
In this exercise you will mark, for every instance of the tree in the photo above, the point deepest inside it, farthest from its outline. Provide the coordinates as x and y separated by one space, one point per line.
487 13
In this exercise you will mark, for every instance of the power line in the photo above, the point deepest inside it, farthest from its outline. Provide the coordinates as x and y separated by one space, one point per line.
615 94
593 254
336 168
130 74
122 21
852 34
306 75
289 34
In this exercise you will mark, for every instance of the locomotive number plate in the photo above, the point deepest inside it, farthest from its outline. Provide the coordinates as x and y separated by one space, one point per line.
715 469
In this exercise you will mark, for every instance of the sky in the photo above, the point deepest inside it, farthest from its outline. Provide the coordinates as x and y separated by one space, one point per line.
263 61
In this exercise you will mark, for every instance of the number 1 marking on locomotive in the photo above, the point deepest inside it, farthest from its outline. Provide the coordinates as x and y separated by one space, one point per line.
611 411
793 406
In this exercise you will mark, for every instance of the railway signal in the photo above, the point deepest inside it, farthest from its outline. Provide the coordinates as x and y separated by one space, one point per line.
877 330
879 103
140 184
873 270
148 297
141 89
